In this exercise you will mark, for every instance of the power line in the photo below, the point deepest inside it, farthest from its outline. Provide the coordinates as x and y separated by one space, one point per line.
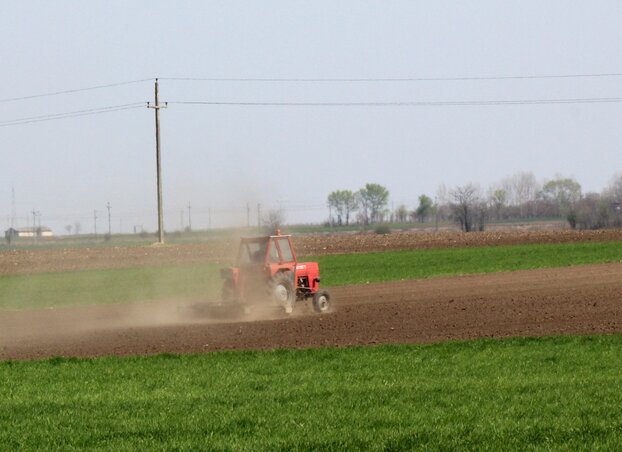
391 79
588 100
75 90
72 114
122 107
317 80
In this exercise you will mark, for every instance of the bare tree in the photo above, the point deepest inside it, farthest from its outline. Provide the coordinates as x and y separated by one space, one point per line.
274 219
612 197
525 188
467 208
613 192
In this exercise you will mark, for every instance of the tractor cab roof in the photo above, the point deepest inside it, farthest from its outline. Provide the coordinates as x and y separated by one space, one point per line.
261 238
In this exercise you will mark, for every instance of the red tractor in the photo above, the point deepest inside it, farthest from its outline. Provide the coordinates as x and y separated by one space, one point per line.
267 270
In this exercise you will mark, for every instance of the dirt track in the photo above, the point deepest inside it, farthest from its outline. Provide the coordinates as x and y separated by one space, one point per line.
573 300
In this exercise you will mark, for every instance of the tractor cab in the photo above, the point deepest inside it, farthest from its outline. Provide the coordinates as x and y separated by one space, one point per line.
275 252
268 266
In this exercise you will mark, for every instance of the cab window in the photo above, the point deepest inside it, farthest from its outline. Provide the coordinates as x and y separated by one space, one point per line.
286 250
252 253
274 254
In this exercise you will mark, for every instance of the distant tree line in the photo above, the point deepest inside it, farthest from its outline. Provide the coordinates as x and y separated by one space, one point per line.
369 204
517 197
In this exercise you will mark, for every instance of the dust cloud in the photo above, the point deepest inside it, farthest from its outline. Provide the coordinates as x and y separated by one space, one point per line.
73 292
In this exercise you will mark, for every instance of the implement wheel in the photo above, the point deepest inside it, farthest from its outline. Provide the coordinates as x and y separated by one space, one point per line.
282 290
321 301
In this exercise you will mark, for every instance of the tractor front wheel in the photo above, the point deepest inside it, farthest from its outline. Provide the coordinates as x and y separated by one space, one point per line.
282 290
321 301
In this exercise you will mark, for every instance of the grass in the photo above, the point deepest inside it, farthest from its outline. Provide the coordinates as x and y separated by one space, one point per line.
553 393
203 281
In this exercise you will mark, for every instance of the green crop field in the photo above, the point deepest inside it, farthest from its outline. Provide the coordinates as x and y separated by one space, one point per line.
389 266
203 281
120 285
552 393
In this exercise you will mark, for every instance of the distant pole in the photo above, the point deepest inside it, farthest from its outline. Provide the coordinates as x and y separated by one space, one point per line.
248 215
258 216
157 107
95 223
109 224
189 217
436 214
13 208
34 225
209 218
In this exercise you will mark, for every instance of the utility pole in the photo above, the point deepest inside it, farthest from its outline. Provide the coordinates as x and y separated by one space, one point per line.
13 208
189 217
248 215
258 216
95 223
109 224
34 224
435 214
157 107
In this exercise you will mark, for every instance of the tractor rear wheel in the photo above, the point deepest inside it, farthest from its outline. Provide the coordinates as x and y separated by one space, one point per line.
321 301
282 290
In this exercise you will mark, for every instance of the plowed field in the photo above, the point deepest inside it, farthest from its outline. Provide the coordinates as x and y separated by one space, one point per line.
222 251
574 300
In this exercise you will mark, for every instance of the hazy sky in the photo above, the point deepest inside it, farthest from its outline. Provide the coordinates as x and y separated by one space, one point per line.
222 157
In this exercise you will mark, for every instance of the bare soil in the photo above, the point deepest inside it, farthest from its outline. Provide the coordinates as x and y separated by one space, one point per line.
573 300
222 251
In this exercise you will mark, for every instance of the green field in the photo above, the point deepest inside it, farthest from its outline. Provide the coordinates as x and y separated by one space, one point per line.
390 266
202 281
109 286
552 393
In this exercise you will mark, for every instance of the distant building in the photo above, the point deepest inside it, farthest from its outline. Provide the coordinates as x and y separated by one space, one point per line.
18 233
